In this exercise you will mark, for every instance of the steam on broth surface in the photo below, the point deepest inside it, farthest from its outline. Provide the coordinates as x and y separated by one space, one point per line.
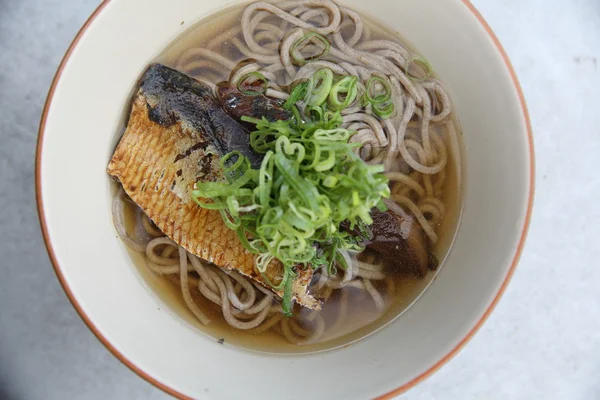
254 57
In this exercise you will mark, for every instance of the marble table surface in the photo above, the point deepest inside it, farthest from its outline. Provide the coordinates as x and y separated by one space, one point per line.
543 340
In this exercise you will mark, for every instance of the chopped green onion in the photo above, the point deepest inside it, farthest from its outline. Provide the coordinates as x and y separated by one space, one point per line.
374 84
253 84
322 82
384 110
238 167
343 93
315 113
309 183
299 93
330 182
418 60
378 93
297 115
332 119
299 44
341 261
286 302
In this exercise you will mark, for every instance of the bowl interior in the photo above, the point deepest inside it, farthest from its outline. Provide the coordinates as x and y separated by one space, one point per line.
79 134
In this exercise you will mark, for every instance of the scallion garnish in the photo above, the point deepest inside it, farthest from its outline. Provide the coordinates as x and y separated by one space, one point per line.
291 209
343 93
321 83
299 93
310 37
378 90
378 93
384 110
253 84
314 113
423 62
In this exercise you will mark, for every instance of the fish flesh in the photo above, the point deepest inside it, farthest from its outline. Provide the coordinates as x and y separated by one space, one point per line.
176 134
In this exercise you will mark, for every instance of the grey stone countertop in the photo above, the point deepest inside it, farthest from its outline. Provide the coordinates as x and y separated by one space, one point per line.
542 341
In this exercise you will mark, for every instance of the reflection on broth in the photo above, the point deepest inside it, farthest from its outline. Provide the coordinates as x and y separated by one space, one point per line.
229 241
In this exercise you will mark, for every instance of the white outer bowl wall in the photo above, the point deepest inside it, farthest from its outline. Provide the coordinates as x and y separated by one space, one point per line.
85 108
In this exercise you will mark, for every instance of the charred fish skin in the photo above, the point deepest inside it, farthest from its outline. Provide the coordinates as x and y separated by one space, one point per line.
175 97
165 150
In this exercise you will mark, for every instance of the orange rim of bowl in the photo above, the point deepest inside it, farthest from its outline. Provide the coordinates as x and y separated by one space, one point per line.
389 395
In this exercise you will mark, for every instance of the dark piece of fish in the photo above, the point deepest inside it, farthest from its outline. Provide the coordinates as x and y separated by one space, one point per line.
401 243
176 134
173 97
238 104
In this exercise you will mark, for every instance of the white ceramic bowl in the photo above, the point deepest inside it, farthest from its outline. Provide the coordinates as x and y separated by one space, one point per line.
84 112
